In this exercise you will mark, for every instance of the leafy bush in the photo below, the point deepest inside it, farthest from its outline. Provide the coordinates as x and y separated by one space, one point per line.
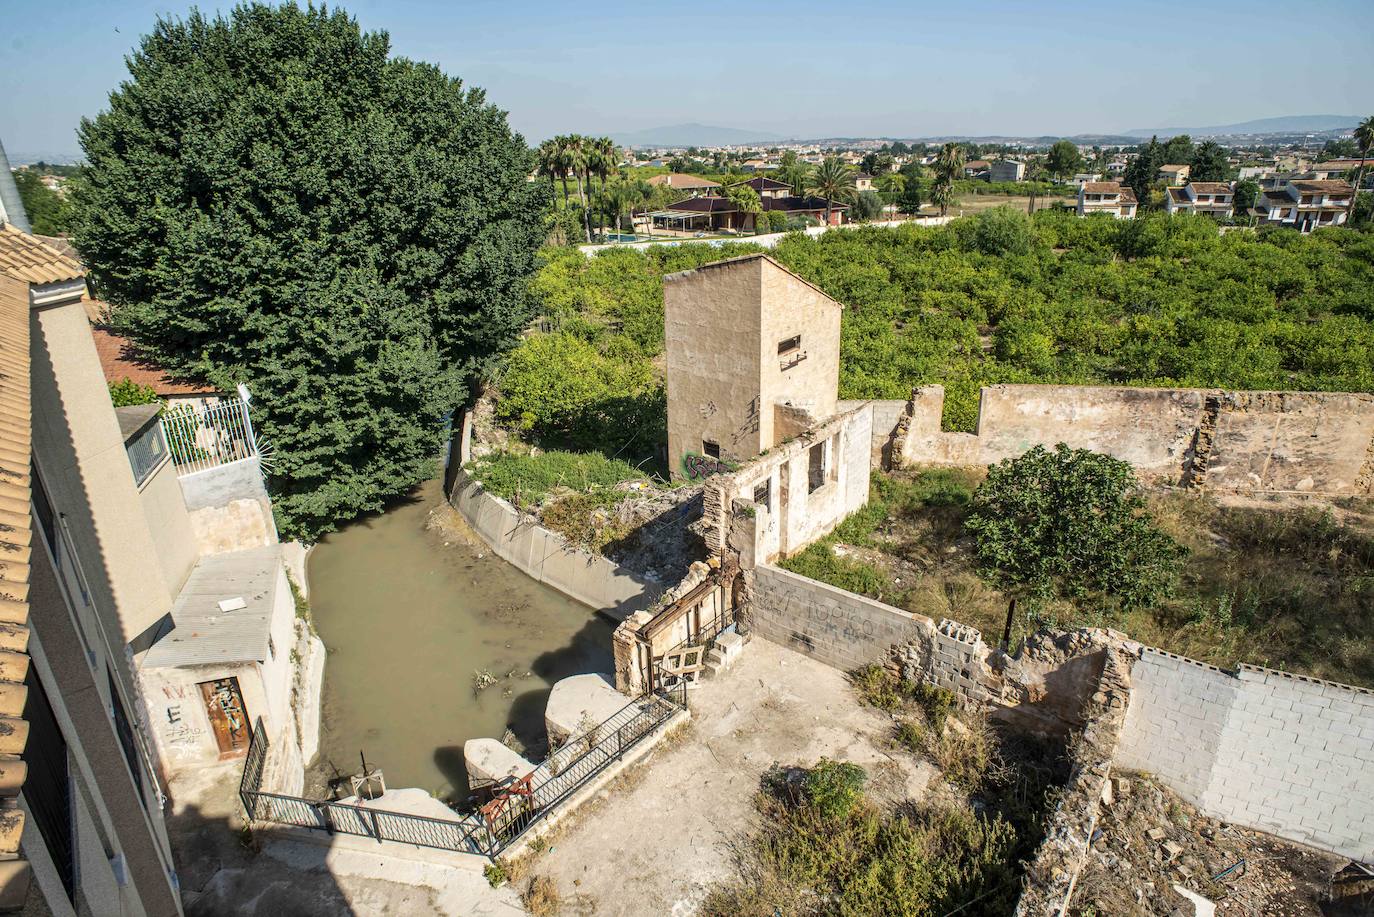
527 479
563 390
926 859
126 392
834 788
1069 523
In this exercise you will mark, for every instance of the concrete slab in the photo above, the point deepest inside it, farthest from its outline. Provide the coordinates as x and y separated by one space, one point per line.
579 701
488 759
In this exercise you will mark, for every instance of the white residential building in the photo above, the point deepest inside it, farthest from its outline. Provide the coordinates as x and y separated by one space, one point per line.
1214 198
1106 197
1305 204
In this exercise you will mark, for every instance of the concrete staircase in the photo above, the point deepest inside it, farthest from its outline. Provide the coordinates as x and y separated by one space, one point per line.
723 654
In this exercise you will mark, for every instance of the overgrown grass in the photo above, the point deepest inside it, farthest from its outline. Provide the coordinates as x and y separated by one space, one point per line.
527 479
839 853
1290 588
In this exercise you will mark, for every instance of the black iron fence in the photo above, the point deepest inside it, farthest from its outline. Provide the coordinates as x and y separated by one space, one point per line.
515 807
524 802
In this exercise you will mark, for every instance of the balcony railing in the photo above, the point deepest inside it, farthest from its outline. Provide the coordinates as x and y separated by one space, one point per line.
201 438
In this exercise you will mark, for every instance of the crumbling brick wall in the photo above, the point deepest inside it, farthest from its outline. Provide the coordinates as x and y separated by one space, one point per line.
1052 874
1267 442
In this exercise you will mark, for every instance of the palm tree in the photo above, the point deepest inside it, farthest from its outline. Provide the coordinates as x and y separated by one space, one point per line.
1364 139
949 165
548 167
792 171
833 181
575 152
892 184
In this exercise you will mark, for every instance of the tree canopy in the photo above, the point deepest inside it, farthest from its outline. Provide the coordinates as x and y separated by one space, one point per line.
273 199
1070 523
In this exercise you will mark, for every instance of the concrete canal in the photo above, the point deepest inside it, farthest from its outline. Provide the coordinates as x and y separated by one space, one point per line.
417 614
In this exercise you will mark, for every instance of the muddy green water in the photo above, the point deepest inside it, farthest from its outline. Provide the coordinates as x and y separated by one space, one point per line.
410 614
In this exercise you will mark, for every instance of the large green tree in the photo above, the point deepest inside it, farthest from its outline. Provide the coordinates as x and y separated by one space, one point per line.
1210 163
1070 523
1063 159
49 213
272 198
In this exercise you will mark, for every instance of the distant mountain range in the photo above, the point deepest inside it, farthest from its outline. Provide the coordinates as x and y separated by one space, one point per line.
1293 124
693 135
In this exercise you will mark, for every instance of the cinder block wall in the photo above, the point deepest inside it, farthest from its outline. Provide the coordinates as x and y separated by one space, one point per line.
836 627
1274 751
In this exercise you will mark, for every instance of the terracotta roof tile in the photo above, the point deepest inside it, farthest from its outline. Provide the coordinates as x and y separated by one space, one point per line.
18 254
25 258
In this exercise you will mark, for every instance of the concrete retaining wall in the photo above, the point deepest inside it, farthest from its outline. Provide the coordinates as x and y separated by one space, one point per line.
547 557
229 507
1270 442
1290 755
836 627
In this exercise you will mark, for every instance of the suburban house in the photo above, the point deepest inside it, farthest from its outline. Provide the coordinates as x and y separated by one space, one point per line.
863 182
1173 174
977 168
690 183
769 188
756 165
1007 170
154 607
1116 167
1305 204
1214 198
1081 177
1106 197
1333 169
720 214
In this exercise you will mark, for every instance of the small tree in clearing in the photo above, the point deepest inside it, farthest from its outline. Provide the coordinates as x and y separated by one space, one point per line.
1069 524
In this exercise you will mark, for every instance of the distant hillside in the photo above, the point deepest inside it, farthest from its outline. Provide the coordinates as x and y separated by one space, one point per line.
1293 124
692 135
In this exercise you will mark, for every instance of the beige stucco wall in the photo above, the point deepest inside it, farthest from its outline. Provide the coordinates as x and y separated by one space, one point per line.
722 326
711 334
794 518
78 445
793 307
169 525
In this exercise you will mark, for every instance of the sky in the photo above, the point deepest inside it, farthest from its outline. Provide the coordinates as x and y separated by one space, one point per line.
807 68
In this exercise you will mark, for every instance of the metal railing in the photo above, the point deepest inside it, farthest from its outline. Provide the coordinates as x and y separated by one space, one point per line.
203 437
576 762
518 804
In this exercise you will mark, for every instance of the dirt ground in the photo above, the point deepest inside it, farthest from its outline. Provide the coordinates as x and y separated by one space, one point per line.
660 838
973 203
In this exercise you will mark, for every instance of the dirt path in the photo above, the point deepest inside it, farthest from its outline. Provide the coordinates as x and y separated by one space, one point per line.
655 843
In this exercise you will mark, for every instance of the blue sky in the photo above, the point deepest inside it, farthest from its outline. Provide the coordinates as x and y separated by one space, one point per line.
804 68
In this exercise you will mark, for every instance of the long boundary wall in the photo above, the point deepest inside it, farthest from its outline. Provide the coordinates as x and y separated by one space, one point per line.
548 557
1265 442
1283 753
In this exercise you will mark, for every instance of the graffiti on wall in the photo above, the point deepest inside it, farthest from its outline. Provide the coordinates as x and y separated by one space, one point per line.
697 467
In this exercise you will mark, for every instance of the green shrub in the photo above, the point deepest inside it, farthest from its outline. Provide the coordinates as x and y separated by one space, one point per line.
877 687
834 788
527 479
127 392
495 873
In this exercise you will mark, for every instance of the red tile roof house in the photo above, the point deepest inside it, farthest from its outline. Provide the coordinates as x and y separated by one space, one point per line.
720 214
1305 205
1214 198
1106 197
